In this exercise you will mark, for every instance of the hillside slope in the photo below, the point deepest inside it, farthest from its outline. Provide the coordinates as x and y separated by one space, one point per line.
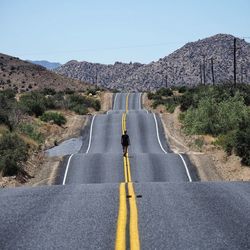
182 67
24 76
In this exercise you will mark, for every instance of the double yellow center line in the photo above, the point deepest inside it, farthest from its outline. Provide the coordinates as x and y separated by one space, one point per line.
129 193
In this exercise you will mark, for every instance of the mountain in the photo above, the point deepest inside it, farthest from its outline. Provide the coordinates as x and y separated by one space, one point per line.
24 76
185 66
110 76
46 64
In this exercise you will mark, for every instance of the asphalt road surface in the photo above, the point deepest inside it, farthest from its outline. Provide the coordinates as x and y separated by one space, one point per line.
150 199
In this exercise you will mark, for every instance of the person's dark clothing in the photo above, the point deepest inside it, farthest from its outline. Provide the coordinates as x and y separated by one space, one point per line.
125 140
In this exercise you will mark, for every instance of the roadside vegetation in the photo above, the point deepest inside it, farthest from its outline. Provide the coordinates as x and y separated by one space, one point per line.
221 111
23 116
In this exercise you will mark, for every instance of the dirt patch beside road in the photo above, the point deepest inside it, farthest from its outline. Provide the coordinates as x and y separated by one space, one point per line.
212 163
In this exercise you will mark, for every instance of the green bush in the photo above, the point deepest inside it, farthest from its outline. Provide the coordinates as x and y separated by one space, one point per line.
33 103
199 143
8 103
92 91
80 109
164 92
77 100
243 141
54 117
215 118
182 89
14 152
150 95
219 93
227 141
31 131
171 103
48 91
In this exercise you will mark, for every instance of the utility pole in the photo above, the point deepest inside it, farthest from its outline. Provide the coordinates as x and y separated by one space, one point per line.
235 62
166 81
212 69
204 70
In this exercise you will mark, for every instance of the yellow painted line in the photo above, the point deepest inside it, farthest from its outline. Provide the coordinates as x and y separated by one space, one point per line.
133 225
127 102
120 243
128 169
125 169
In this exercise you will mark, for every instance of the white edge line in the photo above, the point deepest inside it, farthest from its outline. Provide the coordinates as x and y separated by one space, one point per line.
140 102
66 171
185 165
90 138
115 101
90 134
113 105
157 132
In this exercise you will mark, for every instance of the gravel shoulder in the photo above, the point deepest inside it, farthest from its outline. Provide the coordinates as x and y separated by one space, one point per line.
212 163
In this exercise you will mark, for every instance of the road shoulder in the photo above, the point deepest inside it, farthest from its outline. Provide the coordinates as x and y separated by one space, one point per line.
211 162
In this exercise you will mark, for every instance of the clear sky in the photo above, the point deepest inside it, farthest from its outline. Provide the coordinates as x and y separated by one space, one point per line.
106 31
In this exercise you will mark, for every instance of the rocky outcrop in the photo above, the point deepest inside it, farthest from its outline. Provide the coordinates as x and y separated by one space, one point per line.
189 65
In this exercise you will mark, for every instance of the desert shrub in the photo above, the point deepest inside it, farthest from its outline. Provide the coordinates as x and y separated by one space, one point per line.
54 117
80 109
157 102
199 143
7 105
14 152
48 91
171 103
150 95
69 91
215 118
164 92
242 145
33 103
31 131
227 141
92 91
77 100
182 89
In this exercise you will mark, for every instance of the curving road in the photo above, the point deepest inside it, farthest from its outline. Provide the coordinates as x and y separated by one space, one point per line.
150 200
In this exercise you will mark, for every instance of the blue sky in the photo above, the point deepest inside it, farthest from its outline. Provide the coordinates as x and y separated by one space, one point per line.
114 30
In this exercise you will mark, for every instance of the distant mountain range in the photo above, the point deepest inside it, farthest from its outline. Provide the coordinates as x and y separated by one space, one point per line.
24 76
190 65
46 64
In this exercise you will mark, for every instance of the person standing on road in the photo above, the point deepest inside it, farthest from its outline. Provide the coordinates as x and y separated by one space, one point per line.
125 141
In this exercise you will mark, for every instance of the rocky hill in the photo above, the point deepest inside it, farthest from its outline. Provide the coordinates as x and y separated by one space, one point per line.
46 64
185 66
110 76
25 76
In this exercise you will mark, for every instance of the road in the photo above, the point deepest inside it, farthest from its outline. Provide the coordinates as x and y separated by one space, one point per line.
150 199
